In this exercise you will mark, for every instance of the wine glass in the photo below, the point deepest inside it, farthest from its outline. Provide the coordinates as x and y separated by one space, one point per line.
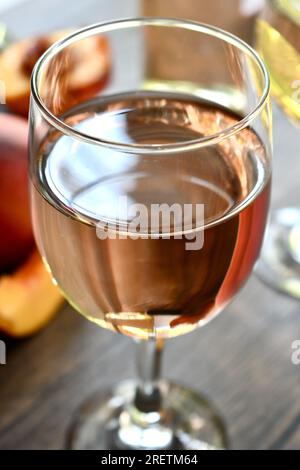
277 40
149 202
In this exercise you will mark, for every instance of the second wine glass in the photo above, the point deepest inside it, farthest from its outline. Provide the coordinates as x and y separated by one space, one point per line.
277 40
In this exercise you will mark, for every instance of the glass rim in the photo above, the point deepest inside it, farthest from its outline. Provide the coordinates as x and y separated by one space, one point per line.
114 25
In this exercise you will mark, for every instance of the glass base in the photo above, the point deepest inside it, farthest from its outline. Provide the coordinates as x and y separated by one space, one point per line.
190 422
279 264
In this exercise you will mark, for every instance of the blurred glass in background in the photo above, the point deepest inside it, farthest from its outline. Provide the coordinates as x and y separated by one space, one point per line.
236 16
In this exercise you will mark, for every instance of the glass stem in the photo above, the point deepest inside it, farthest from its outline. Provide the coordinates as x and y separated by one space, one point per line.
148 396
145 423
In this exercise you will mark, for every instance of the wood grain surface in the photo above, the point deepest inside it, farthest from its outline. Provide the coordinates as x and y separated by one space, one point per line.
241 361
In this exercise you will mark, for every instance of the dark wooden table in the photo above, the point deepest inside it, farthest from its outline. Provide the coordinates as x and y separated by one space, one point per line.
242 360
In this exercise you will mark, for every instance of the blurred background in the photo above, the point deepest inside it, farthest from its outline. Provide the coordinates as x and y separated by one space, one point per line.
54 358
234 15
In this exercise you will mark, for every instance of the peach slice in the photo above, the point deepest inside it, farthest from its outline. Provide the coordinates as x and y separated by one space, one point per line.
88 68
28 298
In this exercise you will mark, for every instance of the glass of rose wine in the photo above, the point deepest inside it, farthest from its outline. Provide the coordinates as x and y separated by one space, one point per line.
278 42
149 202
